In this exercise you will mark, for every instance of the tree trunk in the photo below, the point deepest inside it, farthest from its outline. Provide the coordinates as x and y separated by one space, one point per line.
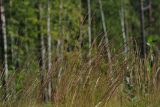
3 45
60 40
106 37
42 52
89 31
143 40
123 25
49 50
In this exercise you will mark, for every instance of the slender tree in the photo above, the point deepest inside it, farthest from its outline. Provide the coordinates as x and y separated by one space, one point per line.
123 25
106 37
49 49
42 52
80 30
143 40
89 30
3 44
60 40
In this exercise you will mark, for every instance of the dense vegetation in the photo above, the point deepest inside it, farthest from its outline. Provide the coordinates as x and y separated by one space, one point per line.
79 53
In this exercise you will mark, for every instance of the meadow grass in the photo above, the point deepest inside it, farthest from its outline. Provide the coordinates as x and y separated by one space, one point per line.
84 84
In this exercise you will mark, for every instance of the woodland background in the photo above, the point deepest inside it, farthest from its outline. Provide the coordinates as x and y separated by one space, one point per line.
79 53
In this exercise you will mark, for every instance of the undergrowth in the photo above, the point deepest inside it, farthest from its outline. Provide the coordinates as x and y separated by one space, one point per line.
84 84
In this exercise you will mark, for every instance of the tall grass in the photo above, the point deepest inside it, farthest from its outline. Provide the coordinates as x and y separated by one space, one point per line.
81 84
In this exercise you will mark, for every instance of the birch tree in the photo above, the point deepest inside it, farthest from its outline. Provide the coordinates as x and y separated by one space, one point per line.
49 49
60 40
89 30
3 44
106 37
42 52
123 25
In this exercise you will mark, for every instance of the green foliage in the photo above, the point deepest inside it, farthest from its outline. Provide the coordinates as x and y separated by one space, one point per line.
22 24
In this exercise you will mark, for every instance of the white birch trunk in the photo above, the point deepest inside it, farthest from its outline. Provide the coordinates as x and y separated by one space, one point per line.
4 47
122 16
89 31
42 54
60 41
106 37
49 49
